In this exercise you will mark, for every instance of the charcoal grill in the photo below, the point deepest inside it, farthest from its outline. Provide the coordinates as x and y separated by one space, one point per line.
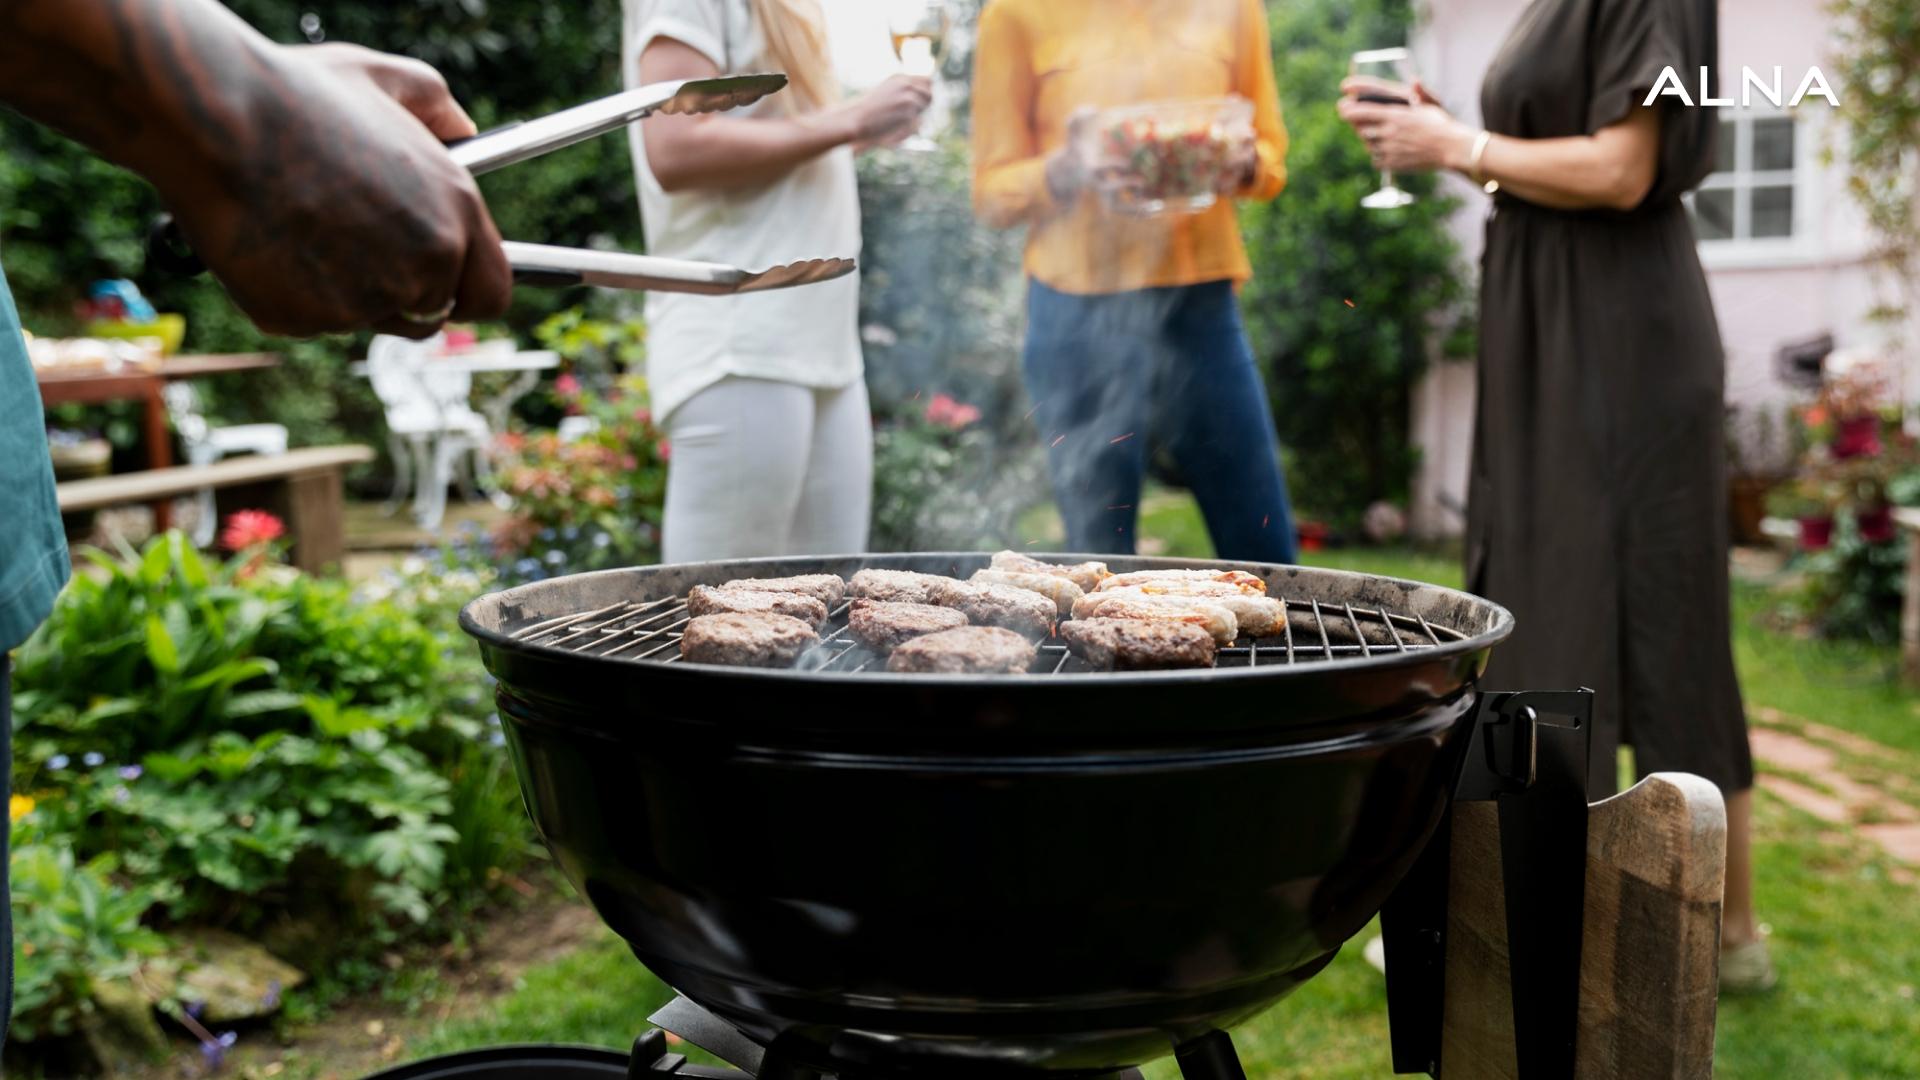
881 876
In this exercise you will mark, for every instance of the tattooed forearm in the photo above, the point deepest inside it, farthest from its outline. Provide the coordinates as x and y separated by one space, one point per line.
311 179
158 85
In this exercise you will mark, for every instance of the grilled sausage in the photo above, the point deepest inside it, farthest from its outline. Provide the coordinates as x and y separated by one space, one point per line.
1258 616
1245 582
1087 575
1206 613
1061 590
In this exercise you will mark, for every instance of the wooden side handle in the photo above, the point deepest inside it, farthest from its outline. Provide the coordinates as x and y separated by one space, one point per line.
1650 962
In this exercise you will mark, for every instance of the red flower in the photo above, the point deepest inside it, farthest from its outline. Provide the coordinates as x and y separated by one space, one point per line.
948 413
566 385
251 528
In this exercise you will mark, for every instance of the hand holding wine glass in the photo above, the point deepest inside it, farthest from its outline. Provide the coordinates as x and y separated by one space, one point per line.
919 29
1384 77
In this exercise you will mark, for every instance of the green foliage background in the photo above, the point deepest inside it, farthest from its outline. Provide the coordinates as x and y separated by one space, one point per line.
1342 377
943 293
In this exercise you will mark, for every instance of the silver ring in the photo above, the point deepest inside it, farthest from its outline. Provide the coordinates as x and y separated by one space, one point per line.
429 318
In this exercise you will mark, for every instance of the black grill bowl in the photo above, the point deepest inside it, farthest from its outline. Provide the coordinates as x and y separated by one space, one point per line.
918 876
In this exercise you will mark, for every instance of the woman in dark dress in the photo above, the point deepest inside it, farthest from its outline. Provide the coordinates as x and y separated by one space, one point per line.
1597 509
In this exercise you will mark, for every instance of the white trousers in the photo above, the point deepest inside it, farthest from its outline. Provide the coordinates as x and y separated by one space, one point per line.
768 468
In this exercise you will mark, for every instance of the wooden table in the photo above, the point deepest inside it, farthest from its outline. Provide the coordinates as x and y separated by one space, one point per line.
144 386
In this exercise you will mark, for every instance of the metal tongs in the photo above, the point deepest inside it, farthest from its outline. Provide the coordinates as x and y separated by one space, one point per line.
542 264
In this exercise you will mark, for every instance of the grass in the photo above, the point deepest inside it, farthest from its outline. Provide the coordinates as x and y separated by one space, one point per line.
1847 935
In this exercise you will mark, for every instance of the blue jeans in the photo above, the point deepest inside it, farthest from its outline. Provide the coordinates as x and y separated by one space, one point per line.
1113 375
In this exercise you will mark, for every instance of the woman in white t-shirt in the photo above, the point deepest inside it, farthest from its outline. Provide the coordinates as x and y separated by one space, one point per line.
761 395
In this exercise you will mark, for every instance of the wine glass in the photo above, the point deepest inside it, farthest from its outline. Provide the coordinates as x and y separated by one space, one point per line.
1391 66
919 29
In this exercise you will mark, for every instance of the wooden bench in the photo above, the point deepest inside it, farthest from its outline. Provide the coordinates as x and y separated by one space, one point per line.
302 486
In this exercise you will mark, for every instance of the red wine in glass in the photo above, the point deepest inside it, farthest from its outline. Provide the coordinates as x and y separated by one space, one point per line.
1393 66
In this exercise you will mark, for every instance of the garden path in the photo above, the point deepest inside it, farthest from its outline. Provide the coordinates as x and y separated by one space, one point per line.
1843 779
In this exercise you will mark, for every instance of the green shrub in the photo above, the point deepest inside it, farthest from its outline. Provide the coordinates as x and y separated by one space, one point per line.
1342 376
256 738
74 929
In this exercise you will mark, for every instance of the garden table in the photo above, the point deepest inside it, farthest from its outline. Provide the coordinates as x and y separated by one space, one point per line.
144 385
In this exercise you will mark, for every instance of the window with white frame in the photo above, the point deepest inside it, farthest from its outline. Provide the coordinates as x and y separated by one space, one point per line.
1753 194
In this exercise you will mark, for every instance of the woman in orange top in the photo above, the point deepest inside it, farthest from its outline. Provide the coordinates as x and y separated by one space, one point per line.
1133 333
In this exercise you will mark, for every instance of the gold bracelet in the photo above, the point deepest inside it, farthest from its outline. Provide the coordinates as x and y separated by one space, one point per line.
1473 163
1480 142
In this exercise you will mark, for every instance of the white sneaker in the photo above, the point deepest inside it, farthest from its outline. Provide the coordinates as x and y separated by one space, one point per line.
1747 969
1376 954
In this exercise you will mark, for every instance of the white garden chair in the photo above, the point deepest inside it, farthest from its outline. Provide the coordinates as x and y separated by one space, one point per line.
435 435
207 444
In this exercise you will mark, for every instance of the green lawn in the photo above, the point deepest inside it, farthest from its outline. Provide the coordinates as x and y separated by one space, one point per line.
1846 936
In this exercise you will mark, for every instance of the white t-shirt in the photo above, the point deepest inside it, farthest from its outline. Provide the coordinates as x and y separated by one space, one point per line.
807 335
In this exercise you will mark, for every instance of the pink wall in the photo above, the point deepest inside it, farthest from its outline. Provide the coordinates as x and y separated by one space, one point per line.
1764 299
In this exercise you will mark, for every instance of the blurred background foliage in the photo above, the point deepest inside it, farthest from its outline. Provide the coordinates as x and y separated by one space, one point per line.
67 218
941 306
1346 304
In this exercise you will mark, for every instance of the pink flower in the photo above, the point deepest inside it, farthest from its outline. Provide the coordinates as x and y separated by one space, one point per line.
644 416
948 413
666 450
566 385
250 528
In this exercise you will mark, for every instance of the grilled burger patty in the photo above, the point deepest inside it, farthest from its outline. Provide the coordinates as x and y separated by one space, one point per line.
1027 612
885 625
746 639
900 586
826 588
1137 644
706 600
965 650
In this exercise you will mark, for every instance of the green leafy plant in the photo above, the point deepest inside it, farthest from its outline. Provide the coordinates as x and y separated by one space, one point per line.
1879 67
75 928
257 736
1345 302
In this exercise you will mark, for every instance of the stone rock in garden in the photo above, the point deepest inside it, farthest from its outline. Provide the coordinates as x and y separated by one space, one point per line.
121 1032
229 976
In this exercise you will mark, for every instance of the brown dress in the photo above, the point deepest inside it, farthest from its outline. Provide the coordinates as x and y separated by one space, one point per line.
1597 508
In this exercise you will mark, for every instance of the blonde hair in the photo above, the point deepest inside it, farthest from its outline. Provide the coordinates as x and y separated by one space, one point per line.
796 33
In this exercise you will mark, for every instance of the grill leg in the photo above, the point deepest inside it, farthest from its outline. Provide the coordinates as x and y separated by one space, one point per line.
1209 1057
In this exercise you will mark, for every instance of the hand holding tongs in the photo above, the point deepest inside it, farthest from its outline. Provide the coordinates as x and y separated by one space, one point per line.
540 264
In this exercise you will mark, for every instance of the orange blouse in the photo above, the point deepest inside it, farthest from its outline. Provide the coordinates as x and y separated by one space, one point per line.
1037 61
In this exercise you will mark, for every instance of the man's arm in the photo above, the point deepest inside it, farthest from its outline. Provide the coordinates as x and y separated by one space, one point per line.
311 180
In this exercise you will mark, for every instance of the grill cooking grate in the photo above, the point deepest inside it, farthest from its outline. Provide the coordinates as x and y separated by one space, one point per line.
649 632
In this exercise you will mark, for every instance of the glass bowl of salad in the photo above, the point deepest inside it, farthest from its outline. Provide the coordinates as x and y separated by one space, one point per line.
1172 156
